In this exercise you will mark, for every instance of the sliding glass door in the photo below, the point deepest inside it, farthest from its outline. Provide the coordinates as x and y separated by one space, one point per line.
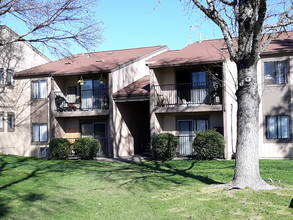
198 87
92 94
186 130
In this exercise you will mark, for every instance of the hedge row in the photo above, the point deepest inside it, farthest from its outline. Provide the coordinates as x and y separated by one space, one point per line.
208 145
84 148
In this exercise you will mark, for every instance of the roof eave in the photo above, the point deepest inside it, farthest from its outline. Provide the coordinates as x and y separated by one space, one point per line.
154 66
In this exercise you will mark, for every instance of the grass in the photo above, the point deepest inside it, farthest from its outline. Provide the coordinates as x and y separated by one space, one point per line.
40 189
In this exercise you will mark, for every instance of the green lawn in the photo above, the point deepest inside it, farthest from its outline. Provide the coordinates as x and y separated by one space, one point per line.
41 189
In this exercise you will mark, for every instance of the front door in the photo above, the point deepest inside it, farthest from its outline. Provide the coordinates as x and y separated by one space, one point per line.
100 134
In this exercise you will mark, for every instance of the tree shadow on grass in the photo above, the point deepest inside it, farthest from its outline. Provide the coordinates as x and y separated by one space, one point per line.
4 209
36 170
159 174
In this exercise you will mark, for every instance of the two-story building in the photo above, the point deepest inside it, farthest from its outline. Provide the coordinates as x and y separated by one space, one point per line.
124 97
73 97
194 89
15 104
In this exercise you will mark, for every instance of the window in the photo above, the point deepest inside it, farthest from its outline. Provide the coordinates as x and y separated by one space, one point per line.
1 77
11 121
40 133
1 121
278 127
39 89
276 72
6 77
9 77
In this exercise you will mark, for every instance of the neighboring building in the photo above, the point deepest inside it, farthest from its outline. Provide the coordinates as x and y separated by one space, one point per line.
124 97
194 89
14 101
73 97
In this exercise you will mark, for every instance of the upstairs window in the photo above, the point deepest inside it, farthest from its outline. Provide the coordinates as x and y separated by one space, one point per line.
276 72
39 89
6 77
9 77
2 82
278 127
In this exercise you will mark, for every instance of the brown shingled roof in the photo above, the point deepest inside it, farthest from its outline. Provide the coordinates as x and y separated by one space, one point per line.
137 89
213 51
89 63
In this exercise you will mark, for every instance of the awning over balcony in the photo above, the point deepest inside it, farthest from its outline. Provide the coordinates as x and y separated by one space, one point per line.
136 91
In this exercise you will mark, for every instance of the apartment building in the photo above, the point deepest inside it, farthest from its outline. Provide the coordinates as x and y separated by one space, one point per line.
194 89
74 97
124 97
14 100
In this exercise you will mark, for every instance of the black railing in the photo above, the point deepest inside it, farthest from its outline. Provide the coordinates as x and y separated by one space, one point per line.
83 100
186 94
185 147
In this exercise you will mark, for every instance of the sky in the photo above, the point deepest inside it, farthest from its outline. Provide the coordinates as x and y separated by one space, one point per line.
141 23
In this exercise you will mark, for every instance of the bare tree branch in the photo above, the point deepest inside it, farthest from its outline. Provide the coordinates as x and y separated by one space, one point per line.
213 14
64 23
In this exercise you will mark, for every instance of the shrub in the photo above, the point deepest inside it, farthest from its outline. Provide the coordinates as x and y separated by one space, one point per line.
86 148
208 145
59 149
164 146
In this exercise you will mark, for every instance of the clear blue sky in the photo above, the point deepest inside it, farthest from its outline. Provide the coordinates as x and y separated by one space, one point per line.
140 23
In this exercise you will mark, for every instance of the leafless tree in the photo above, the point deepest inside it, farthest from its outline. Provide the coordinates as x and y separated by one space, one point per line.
255 23
56 25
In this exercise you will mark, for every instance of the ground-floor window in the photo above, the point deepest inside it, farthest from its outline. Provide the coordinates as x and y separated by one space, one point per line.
278 127
186 129
11 121
40 132
1 121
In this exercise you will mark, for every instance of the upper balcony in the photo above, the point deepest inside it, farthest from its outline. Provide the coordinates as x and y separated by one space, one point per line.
83 102
188 97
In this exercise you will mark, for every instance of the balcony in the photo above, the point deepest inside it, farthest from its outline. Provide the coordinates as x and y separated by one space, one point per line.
188 97
83 100
73 103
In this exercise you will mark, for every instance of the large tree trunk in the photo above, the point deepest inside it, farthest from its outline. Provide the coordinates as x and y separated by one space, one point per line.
247 150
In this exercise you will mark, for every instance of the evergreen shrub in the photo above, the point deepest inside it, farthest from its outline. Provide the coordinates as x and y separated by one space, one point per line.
164 146
209 145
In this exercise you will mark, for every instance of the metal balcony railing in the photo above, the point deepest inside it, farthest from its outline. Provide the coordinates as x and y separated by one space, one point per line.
189 94
185 147
81 100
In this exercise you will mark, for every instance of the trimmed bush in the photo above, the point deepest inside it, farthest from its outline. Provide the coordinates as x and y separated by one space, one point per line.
86 148
59 149
209 145
164 146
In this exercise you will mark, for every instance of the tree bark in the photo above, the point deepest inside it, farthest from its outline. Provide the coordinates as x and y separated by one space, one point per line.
247 172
